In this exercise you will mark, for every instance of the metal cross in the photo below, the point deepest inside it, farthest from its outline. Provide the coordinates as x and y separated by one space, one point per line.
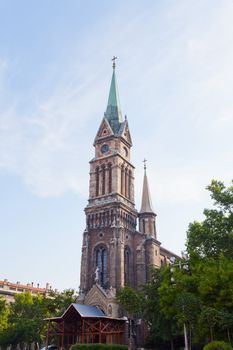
114 62
144 161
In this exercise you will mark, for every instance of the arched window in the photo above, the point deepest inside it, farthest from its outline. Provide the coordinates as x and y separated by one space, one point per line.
109 177
129 185
143 226
103 179
122 180
126 182
97 181
127 265
101 263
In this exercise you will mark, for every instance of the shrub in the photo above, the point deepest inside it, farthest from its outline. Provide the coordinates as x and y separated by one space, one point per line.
98 346
217 345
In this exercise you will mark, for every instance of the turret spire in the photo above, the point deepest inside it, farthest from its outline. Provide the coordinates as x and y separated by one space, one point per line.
146 206
113 111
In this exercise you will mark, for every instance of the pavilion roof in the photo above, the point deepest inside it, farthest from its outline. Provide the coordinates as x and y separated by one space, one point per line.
84 311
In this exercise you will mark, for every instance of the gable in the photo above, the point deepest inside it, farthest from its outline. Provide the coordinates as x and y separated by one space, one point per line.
125 133
97 297
105 130
81 310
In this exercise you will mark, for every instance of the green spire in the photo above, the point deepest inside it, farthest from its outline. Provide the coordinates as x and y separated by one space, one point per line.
113 111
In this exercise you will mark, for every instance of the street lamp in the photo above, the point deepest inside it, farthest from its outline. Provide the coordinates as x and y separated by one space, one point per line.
181 265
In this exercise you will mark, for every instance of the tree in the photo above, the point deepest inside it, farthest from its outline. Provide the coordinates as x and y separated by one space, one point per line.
23 323
4 313
145 303
214 236
210 247
202 296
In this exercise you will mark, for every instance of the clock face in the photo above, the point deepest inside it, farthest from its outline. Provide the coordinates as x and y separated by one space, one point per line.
104 148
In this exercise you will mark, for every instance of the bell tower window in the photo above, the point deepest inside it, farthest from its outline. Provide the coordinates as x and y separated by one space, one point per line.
103 179
143 225
126 182
122 180
129 184
97 180
109 177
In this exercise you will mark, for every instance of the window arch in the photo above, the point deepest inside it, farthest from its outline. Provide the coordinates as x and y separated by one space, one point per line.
101 264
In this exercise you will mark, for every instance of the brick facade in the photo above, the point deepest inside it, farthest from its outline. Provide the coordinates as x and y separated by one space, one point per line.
114 252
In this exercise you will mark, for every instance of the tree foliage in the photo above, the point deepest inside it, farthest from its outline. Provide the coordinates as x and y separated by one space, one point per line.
214 235
202 296
22 322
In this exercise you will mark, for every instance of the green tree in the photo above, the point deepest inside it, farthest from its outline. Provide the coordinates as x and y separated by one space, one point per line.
145 303
4 314
24 318
202 296
214 235
210 247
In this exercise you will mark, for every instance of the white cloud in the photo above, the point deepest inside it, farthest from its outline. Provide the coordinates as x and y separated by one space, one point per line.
175 70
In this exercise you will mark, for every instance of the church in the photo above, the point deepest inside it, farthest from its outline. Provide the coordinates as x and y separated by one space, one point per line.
120 244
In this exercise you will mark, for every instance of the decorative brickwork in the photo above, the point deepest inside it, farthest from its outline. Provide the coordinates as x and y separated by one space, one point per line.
114 252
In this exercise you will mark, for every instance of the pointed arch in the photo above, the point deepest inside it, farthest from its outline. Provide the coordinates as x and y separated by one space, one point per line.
101 261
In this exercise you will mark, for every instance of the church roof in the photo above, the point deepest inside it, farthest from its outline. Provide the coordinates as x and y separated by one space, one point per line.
113 111
146 206
84 311
88 310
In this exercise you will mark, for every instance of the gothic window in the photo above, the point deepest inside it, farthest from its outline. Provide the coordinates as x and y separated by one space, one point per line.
97 180
127 265
129 185
126 182
103 179
143 226
125 152
109 177
122 179
101 263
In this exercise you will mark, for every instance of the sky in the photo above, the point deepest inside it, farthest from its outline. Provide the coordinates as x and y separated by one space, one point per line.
175 81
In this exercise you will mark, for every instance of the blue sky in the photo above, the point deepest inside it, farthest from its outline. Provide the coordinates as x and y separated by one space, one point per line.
175 80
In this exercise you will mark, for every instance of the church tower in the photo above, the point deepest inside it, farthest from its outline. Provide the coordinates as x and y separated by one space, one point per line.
114 252
107 252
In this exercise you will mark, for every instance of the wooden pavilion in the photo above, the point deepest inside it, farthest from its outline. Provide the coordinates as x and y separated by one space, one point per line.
84 324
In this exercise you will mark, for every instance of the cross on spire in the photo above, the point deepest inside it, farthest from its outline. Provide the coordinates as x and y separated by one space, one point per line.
114 62
144 161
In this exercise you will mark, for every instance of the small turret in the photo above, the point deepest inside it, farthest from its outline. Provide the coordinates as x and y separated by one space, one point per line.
147 214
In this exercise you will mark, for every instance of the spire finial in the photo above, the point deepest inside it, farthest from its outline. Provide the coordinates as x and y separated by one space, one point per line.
114 62
144 161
